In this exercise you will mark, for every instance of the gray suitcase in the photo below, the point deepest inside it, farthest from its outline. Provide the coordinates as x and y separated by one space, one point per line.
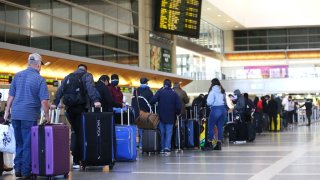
150 141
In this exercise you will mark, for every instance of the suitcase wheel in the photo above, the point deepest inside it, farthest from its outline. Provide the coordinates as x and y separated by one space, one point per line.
66 176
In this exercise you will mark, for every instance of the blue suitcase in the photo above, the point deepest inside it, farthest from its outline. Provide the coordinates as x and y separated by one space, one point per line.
126 141
190 133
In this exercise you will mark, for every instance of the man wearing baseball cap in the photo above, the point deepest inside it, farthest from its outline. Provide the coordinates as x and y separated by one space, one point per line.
28 93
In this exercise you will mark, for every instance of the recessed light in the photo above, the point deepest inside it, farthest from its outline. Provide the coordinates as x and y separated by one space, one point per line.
219 15
208 8
236 26
228 21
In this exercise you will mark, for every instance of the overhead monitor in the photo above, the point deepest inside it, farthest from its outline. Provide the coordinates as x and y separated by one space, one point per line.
181 17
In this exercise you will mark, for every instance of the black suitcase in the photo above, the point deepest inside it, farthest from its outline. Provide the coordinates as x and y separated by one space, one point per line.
98 139
251 131
151 141
232 128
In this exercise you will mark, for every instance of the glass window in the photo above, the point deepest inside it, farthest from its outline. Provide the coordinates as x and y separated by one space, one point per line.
298 31
240 33
12 15
262 40
25 37
61 45
96 21
95 52
61 10
22 2
78 49
2 32
134 47
110 40
61 27
125 16
124 29
40 41
315 38
277 32
111 10
110 25
240 41
12 35
123 44
316 45
296 39
79 31
97 5
135 19
258 47
41 22
315 30
258 33
95 36
298 46
24 18
277 40
110 55
276 46
41 5
2 12
134 5
80 16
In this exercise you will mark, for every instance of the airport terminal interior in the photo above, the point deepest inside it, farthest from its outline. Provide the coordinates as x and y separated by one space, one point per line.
259 47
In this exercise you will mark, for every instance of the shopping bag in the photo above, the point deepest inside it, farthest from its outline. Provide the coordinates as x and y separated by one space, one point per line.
7 139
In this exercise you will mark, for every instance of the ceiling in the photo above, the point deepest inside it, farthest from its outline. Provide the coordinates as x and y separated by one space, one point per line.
241 14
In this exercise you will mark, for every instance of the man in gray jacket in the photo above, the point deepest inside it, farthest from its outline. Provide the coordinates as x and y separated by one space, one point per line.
183 98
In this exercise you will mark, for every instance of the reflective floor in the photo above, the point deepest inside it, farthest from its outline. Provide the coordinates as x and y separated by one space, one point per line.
292 154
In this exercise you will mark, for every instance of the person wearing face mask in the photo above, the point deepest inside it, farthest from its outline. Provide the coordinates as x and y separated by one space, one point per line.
115 89
28 93
107 101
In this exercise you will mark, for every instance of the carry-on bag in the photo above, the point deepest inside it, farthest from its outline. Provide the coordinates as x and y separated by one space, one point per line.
97 139
232 128
150 141
126 141
126 112
50 152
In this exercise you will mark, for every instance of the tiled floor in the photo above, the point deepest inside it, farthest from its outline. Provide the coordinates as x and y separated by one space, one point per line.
289 155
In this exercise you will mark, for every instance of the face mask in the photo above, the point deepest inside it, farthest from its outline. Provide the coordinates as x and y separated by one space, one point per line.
114 83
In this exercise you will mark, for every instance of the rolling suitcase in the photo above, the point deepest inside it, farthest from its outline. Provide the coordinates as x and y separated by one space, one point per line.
251 131
232 128
192 130
98 139
50 152
126 113
126 140
151 141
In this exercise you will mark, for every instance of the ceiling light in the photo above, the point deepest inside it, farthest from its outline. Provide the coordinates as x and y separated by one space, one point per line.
47 63
219 15
208 8
228 21
236 26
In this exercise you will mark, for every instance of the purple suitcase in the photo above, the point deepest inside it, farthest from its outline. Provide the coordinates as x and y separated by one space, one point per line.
50 152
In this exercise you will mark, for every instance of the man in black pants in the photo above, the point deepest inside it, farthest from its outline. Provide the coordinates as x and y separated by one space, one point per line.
308 105
74 111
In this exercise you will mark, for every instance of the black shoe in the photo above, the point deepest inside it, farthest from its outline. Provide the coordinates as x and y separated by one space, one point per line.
18 174
207 147
218 146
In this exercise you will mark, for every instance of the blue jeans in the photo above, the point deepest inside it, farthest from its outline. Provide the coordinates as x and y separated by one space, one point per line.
217 118
166 135
22 132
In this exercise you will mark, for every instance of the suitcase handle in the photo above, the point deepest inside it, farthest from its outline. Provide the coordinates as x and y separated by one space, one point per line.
128 116
96 108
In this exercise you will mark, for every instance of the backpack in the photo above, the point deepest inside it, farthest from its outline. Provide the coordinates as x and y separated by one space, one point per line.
73 90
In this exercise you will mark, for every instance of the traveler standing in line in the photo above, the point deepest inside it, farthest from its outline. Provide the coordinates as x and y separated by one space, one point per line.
144 91
258 114
107 102
272 111
308 105
169 107
288 109
184 99
79 93
115 89
217 102
28 93
249 108
240 103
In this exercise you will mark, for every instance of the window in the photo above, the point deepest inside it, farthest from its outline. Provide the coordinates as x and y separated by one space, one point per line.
110 26
60 45
110 55
96 21
61 10
41 41
240 41
110 40
12 15
78 49
41 5
41 22
79 31
61 27
24 18
12 35
80 16
95 36
95 52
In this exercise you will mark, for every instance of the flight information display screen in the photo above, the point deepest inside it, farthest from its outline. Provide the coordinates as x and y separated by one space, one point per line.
181 17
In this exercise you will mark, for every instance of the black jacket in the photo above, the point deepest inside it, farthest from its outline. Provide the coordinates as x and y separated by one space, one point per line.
147 94
107 101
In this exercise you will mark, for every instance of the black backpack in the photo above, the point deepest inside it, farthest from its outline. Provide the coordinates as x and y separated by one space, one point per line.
73 90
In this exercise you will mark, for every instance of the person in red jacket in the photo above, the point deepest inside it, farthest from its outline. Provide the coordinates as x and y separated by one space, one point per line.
115 89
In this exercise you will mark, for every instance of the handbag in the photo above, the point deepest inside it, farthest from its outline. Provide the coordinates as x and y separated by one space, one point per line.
7 139
146 120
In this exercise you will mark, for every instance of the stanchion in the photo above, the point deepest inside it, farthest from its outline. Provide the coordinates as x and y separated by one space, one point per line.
179 150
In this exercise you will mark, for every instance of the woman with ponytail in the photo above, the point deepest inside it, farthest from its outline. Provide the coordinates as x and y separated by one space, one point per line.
217 103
